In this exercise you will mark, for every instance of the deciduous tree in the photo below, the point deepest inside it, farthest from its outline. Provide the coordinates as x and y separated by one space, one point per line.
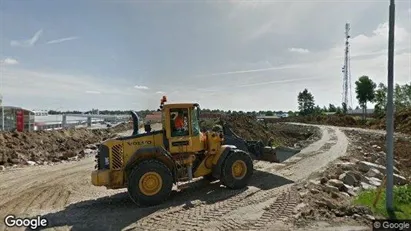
365 92
306 102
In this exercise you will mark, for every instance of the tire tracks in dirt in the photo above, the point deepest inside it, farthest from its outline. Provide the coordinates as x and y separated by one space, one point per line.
282 207
48 189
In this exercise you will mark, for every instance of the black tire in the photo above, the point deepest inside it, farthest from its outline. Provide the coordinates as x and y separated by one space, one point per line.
227 177
138 172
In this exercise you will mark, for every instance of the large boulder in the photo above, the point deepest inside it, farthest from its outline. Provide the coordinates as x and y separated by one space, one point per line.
329 188
373 172
346 166
336 183
372 181
374 157
399 180
365 166
350 178
367 186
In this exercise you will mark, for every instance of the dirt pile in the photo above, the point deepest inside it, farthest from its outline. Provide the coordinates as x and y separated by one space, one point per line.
39 147
372 147
249 128
402 121
335 120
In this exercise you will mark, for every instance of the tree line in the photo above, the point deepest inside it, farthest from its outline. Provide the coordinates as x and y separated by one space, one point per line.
143 113
366 91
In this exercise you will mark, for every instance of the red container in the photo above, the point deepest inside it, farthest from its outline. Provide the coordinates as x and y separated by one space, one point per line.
20 120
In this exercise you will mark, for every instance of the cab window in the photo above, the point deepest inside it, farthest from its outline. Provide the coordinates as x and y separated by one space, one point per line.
195 123
179 122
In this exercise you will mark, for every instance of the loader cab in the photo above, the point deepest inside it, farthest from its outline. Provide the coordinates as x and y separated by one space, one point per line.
185 138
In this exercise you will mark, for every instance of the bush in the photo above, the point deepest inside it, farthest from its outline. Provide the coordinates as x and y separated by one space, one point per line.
402 201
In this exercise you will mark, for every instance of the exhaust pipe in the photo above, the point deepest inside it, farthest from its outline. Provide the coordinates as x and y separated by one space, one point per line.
136 121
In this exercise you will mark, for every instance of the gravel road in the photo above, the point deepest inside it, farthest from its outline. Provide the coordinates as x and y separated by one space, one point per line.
64 195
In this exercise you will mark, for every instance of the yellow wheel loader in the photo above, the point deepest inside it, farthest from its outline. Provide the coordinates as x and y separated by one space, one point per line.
149 164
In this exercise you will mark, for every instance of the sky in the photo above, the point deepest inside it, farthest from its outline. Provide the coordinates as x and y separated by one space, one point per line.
230 55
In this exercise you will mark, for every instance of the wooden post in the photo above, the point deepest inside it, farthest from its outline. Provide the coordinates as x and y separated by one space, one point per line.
377 198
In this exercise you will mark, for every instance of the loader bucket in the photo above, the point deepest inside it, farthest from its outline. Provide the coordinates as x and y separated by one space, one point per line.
283 153
257 149
270 155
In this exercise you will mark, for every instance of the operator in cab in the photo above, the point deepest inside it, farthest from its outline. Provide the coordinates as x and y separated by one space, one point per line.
179 121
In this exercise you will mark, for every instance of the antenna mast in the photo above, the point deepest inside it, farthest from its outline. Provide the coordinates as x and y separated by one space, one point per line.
347 96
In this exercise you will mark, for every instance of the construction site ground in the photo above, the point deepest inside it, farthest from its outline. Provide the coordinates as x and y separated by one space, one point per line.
402 121
281 196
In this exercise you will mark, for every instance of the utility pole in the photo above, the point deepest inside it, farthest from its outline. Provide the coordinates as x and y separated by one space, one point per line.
390 112
1 97
2 106
346 69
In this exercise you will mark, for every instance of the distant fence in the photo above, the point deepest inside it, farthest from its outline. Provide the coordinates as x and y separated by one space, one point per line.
89 117
77 120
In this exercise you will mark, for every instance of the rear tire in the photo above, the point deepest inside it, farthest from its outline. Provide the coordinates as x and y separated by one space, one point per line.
150 183
237 170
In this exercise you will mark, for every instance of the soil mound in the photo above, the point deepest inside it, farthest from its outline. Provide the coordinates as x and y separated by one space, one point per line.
402 121
51 146
248 128
335 120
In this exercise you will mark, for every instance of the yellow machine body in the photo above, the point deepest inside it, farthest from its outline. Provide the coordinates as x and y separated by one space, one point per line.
202 151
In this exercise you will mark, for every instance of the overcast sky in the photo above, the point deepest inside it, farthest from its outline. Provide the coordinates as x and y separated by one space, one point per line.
238 55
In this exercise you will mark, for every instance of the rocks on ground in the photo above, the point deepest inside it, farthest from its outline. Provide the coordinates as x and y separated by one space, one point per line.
330 195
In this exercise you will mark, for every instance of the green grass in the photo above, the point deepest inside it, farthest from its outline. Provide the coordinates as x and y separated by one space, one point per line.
402 201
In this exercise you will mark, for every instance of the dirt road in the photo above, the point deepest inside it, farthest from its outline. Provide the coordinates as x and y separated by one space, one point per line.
64 195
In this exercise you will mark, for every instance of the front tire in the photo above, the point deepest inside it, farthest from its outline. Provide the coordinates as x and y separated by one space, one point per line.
150 183
237 170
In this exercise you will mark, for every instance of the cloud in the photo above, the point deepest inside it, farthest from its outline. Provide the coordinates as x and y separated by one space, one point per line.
9 61
319 71
62 40
299 50
261 31
160 92
261 83
141 87
29 42
375 44
93 92
292 66
36 88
